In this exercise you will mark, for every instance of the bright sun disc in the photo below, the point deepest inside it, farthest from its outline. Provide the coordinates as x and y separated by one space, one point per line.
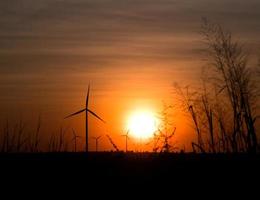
142 125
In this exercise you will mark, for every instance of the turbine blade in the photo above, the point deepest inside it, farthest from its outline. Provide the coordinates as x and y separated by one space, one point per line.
75 113
95 115
87 96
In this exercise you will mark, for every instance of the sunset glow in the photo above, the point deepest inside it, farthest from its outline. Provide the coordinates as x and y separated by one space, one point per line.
124 94
137 57
142 124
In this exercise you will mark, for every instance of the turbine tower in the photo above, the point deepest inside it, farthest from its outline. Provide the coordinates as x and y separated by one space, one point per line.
96 139
86 110
126 139
75 137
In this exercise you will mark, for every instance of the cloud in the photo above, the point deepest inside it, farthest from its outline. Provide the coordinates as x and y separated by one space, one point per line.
60 37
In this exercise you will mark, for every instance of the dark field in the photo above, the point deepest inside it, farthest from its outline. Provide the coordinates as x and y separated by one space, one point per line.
104 167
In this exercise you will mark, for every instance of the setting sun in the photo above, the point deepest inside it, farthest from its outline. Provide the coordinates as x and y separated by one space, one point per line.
142 124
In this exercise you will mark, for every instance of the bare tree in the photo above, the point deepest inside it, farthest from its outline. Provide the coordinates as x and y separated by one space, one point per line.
235 81
189 103
229 93
162 139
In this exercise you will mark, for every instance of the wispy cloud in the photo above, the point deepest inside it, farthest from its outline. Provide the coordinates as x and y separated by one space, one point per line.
56 38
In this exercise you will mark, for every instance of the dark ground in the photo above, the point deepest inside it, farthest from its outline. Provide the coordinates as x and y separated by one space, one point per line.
216 172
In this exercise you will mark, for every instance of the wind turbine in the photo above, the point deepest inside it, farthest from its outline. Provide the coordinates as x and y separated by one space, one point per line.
97 138
126 138
75 139
86 110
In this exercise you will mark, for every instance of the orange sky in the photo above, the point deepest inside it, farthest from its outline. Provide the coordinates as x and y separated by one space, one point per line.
130 51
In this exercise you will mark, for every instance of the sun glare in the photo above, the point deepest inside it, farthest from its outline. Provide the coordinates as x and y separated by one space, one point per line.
142 124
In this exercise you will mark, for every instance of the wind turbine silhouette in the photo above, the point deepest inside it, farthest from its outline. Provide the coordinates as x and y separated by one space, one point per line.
126 139
97 138
75 139
86 110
